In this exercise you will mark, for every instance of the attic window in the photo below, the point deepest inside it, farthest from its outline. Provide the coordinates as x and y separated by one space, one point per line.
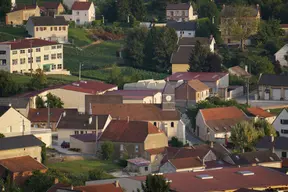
245 173
204 176
237 157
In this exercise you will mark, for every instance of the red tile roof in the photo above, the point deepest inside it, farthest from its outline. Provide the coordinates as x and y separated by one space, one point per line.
92 87
156 151
239 71
26 43
284 25
110 187
50 5
201 76
24 7
133 93
41 114
139 161
259 112
128 131
221 113
77 5
186 163
22 164
224 179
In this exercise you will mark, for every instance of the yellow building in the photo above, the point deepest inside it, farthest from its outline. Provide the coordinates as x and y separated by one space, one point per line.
20 14
21 56
52 8
48 28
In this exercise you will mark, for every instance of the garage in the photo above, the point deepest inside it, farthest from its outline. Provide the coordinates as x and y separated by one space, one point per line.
286 94
276 94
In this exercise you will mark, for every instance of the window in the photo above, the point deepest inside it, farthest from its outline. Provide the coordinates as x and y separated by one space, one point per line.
14 52
53 67
30 60
189 33
183 13
38 59
54 47
46 57
121 147
30 50
2 52
63 28
284 154
77 12
53 56
171 13
136 148
146 168
51 28
59 55
284 121
172 124
14 61
59 66
59 46
22 51
55 28
82 132
76 132
38 49
22 61
286 57
3 62
284 131
44 28
155 124
36 28
59 28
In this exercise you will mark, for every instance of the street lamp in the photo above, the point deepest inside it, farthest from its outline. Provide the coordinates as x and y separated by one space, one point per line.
103 19
80 68
48 120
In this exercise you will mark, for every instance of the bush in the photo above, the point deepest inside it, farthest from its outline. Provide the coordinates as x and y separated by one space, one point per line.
96 23
107 150
96 174
174 142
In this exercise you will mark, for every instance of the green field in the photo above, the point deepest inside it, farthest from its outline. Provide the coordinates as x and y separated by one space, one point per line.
83 166
8 33
79 37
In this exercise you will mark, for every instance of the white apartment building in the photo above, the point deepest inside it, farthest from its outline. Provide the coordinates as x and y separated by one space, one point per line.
20 56
83 12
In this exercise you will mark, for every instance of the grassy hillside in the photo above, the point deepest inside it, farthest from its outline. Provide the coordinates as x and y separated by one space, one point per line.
79 37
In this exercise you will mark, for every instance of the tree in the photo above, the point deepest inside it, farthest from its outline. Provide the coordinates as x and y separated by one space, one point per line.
8 185
155 183
38 80
198 58
53 101
109 10
209 10
214 62
123 10
107 150
277 67
175 142
260 64
40 102
96 174
264 127
244 136
138 9
241 26
43 154
115 75
2 135
7 84
5 7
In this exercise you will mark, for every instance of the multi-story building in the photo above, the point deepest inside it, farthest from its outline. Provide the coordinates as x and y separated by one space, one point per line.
52 8
22 56
83 12
48 28
21 13
180 12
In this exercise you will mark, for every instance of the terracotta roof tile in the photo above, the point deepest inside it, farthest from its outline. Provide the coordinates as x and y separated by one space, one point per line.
239 71
255 157
77 5
41 114
128 131
201 76
50 5
24 7
197 85
109 187
22 164
185 163
48 21
26 43
259 112
221 113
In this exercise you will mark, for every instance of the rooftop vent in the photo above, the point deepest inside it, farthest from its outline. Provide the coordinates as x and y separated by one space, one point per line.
214 76
271 158
84 82
76 84
256 159
245 173
204 176
216 128
38 113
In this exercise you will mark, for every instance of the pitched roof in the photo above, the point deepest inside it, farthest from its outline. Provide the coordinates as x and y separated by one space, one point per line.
23 7
26 43
139 161
107 187
201 76
14 102
178 6
279 143
222 119
90 137
50 5
259 112
230 11
128 131
81 121
41 114
132 94
255 157
92 87
245 190
48 20
182 26
196 85
284 25
181 55
224 179
156 151
4 109
186 163
17 142
136 112
22 164
239 71
193 40
273 80
78 5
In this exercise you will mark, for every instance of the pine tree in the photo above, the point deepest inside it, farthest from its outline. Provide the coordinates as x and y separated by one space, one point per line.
123 10
5 7
198 58
138 9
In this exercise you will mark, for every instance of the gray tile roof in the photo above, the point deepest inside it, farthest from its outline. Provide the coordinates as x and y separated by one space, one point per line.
280 143
182 26
273 80
15 102
193 40
181 55
17 142
178 6
48 21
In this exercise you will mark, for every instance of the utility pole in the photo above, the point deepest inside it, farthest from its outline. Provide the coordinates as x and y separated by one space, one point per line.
96 141
31 60
48 120
247 98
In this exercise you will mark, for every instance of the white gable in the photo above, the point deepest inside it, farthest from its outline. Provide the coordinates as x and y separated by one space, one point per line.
281 123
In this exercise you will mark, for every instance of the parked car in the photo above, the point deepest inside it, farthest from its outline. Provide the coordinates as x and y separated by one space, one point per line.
65 145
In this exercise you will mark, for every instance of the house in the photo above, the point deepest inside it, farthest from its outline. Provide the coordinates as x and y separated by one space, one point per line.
86 143
281 123
168 121
19 146
265 158
215 124
183 29
217 81
20 14
24 55
138 96
52 8
180 12
48 28
191 92
277 144
39 117
239 71
132 138
192 41
69 3
259 113
182 164
147 84
20 104
228 14
273 87
78 123
19 169
282 56
138 165
284 27
83 12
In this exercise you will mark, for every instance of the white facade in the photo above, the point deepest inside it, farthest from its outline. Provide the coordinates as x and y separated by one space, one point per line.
282 55
82 17
281 123
185 33
69 3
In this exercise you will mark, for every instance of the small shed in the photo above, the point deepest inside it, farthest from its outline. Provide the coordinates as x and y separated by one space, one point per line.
139 165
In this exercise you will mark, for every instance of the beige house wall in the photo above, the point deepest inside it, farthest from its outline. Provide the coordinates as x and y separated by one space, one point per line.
180 67
261 91
82 17
153 141
64 134
85 147
34 152
273 164
17 17
167 128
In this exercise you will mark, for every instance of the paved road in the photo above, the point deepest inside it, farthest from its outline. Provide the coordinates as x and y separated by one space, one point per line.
192 139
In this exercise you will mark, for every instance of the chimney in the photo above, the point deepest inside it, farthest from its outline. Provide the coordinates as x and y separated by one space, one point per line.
64 114
127 118
246 68
56 181
90 120
211 144
273 149
272 138
116 183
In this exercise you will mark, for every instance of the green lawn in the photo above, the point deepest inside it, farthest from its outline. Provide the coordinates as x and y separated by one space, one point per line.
79 37
83 166
276 111
8 33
